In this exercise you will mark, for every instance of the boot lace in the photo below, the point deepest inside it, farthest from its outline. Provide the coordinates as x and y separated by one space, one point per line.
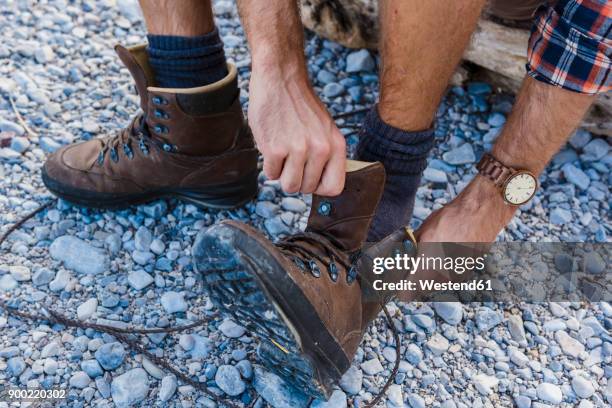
136 132
307 247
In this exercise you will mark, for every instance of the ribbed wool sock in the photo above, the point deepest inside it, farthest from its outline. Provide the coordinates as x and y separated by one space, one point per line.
187 62
404 155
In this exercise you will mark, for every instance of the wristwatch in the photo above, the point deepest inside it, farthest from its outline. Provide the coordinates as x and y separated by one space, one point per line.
516 186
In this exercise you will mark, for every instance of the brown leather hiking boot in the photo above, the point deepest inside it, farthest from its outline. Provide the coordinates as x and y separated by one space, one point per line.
193 144
301 296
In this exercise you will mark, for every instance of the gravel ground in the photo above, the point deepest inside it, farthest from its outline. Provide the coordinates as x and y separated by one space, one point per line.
133 266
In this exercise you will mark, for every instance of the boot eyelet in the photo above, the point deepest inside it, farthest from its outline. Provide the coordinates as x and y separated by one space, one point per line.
160 129
299 263
160 114
158 100
101 158
314 268
113 155
167 147
143 147
351 275
333 271
128 151
324 208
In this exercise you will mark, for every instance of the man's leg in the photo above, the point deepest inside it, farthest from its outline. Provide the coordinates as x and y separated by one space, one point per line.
185 49
421 45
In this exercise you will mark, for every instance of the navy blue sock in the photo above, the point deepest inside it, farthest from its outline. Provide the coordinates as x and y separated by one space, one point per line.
187 62
404 155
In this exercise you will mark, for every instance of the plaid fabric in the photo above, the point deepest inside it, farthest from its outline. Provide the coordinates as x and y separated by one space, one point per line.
571 45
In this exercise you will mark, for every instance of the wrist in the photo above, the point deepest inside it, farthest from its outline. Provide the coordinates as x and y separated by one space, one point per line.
482 196
279 66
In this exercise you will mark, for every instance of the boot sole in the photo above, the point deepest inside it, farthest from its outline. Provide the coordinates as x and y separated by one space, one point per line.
242 278
224 196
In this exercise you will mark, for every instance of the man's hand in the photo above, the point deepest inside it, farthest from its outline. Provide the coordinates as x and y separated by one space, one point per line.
478 214
297 137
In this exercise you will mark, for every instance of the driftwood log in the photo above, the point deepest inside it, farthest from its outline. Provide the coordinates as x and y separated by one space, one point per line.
499 51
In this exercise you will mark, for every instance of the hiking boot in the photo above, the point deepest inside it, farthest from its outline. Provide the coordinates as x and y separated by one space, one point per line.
301 296
193 144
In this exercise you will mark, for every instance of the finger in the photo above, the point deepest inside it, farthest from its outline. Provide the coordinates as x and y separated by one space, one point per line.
291 175
332 180
314 169
273 165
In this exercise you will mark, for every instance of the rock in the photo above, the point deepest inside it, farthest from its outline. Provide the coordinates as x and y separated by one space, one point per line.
522 401
50 350
549 393
372 367
232 330
79 256
576 176
110 355
167 388
337 400
7 126
140 279
437 344
518 357
186 341
435 175
155 210
424 322
580 138
228 379
7 283
92 368
461 155
50 366
582 387
333 89
60 282
174 302
130 10
487 318
153 370
42 276
569 345
15 366
143 239
595 150
414 400
266 209
201 347
79 380
560 216
20 273
293 204
245 368
87 309
594 263
485 383
276 392
44 54
157 246
450 312
496 119
49 145
130 388
414 355
352 380
479 88
516 329
20 144
359 61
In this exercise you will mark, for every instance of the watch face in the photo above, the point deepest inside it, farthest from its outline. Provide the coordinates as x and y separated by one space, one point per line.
519 188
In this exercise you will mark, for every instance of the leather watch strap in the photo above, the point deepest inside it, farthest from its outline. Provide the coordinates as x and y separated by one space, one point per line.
494 170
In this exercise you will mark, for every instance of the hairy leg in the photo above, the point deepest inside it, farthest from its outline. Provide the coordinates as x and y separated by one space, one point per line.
421 44
185 17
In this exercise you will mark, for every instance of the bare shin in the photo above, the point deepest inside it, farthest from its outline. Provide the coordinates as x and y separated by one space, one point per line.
187 18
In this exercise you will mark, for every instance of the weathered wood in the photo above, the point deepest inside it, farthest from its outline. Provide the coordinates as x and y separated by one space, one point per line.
499 49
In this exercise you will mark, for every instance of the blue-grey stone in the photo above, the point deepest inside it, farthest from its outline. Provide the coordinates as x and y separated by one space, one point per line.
48 145
79 380
333 89
564 156
143 239
594 263
548 392
496 119
42 276
450 312
7 283
576 176
560 216
461 155
229 381
416 401
174 302
583 387
414 354
266 209
325 77
596 149
435 175
8 126
276 392
580 138
293 204
110 355
16 366
230 329
522 401
359 61
20 144
167 388
246 369
92 368
130 388
479 88
139 279
352 380
79 256
487 318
